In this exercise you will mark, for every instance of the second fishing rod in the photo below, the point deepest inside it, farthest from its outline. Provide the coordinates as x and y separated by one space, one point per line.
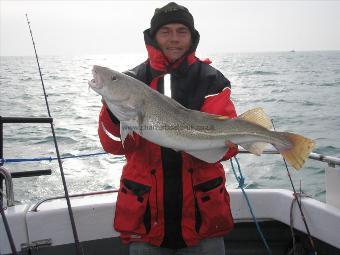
79 250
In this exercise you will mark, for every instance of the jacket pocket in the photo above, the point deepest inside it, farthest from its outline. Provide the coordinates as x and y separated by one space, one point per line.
214 209
131 208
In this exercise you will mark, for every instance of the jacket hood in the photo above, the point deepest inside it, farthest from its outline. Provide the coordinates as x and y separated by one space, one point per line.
160 63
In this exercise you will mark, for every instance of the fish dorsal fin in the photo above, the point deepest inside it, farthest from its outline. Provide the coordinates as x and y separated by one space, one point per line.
257 116
126 129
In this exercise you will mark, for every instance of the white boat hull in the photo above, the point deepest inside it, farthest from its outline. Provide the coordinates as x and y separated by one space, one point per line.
50 226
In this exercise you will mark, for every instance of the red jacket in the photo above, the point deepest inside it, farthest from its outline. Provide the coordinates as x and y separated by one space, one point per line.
164 194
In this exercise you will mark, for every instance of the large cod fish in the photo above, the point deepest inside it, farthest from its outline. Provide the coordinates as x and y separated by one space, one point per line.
165 122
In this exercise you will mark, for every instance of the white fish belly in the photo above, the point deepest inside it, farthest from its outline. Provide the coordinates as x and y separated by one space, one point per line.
181 143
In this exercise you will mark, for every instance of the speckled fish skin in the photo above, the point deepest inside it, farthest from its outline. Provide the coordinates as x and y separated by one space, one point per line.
165 122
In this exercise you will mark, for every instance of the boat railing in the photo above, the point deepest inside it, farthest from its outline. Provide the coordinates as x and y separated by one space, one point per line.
330 160
6 175
35 207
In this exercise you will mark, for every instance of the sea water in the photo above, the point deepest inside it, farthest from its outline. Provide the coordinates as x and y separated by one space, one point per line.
299 91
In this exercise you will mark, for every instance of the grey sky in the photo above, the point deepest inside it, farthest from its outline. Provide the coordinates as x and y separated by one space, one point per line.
109 27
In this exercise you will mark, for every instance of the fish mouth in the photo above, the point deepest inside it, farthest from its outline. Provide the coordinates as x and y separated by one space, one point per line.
95 82
92 83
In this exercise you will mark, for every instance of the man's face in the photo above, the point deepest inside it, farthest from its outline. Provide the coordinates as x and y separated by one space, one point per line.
174 40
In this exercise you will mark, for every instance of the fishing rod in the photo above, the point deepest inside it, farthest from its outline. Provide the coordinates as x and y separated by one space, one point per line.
79 250
311 241
7 228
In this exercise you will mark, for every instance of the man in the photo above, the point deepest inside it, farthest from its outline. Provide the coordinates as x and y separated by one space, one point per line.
170 202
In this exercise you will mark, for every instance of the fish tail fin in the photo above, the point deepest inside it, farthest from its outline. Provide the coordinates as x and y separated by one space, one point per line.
257 116
297 154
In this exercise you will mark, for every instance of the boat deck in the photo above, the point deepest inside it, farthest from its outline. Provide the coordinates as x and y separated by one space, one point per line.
243 240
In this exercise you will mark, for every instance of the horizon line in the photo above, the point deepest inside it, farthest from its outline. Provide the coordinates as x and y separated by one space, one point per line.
199 52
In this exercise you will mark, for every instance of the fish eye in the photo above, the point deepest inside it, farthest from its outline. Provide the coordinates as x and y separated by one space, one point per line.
113 78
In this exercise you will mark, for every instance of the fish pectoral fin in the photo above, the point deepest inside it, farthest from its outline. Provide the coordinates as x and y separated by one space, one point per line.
257 116
254 148
126 129
127 112
132 123
140 120
211 156
124 113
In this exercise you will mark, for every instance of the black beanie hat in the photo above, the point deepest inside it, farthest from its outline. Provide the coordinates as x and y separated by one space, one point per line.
171 13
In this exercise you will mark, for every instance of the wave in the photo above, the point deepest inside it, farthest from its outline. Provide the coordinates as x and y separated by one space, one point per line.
26 79
330 84
64 139
327 150
249 73
310 103
259 73
280 90
58 78
264 73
